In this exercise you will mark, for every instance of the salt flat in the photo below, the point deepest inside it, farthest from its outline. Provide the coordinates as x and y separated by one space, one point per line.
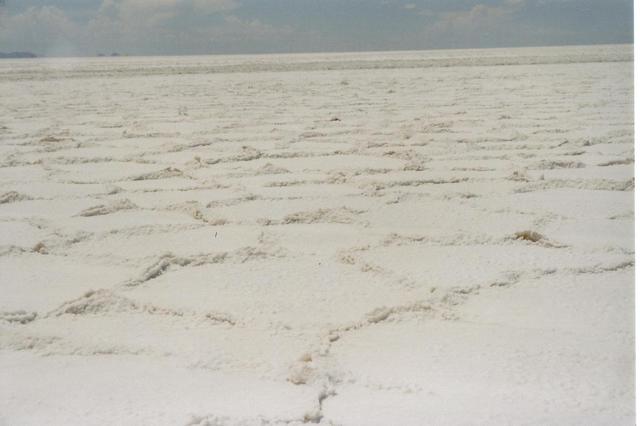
411 238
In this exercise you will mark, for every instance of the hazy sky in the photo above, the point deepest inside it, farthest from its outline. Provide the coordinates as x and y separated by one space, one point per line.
86 27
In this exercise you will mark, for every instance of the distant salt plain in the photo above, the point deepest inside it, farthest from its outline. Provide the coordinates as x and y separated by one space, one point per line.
412 238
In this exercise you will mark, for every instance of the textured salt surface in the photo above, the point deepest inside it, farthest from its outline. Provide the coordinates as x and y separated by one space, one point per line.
371 238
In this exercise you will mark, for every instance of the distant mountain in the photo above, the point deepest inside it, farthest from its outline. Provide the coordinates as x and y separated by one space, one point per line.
14 55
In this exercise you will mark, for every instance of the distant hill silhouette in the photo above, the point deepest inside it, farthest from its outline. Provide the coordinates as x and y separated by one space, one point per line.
14 55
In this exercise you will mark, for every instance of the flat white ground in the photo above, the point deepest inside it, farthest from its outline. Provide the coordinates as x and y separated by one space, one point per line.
440 238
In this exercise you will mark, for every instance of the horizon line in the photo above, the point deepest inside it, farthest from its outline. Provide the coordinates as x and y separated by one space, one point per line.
115 55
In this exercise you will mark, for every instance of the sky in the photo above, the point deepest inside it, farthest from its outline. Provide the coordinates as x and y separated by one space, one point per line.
169 27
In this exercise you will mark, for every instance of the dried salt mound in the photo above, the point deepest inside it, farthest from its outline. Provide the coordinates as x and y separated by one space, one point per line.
40 248
248 154
591 184
341 215
161 174
337 177
113 189
407 155
271 169
96 302
105 301
379 314
532 236
167 260
220 318
12 197
535 237
282 184
616 162
20 316
557 164
16 341
158 268
414 165
51 139
248 421
312 134
419 182
384 313
103 209
519 176
628 185
302 371
193 208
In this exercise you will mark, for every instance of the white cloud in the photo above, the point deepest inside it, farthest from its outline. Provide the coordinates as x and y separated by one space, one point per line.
254 28
480 25
478 17
200 26
427 12
213 6
138 26
128 26
44 28
143 9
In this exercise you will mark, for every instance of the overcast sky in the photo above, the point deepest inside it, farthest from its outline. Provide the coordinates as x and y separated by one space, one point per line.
86 27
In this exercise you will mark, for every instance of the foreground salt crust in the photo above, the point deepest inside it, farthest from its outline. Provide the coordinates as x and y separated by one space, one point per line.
397 238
